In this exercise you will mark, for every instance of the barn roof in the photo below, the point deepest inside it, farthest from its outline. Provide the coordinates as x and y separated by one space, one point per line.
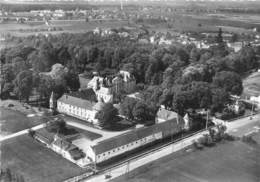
134 135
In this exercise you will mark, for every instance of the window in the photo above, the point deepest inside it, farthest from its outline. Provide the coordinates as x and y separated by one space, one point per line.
108 152
127 145
113 150
104 154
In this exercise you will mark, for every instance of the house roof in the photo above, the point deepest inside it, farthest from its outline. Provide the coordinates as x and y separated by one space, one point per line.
83 99
166 114
43 138
134 135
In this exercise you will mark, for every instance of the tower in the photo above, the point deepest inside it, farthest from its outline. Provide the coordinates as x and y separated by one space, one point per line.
53 102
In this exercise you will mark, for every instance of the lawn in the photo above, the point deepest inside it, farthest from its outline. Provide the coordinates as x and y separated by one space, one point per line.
252 84
227 161
14 121
35 162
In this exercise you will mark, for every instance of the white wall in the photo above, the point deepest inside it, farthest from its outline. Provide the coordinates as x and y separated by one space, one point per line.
128 147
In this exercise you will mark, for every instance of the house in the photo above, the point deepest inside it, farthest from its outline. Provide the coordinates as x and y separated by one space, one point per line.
66 149
166 115
82 104
106 88
236 46
112 147
64 146
256 100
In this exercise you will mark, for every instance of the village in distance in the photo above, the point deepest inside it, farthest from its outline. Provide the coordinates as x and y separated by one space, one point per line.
129 91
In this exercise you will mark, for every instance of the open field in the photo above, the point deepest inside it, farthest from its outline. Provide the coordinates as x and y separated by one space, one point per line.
14 121
71 26
227 161
252 84
36 162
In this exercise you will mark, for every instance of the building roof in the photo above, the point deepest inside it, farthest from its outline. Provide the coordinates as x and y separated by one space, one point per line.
83 99
104 90
99 106
134 135
166 114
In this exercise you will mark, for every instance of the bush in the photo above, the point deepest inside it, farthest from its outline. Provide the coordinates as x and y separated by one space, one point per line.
229 137
197 145
249 140
206 140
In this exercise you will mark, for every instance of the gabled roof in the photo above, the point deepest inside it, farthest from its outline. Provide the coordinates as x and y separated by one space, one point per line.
83 99
137 134
166 114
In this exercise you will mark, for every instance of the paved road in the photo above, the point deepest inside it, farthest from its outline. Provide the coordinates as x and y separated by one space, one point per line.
243 126
21 132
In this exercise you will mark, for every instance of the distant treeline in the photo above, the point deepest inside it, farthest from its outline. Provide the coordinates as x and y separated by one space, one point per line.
51 6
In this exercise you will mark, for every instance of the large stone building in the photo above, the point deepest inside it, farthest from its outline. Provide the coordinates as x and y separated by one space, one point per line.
82 104
110 87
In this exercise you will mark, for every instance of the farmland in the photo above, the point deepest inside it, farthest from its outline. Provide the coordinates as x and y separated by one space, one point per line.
252 84
36 162
227 161
70 26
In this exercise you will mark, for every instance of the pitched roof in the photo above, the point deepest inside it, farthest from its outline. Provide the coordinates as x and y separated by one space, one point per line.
166 128
83 99
166 114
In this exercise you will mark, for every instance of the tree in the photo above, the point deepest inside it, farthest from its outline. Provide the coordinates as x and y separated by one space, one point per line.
116 58
219 99
127 107
229 81
57 126
234 37
140 111
23 85
219 38
45 87
194 55
72 80
106 116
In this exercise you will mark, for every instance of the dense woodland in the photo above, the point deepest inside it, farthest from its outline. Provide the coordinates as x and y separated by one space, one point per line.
181 77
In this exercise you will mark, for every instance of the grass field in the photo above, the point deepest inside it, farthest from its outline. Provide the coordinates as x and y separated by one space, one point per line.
14 121
252 84
225 162
35 162
72 26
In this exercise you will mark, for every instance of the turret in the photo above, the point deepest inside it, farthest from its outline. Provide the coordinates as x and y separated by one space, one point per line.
52 102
